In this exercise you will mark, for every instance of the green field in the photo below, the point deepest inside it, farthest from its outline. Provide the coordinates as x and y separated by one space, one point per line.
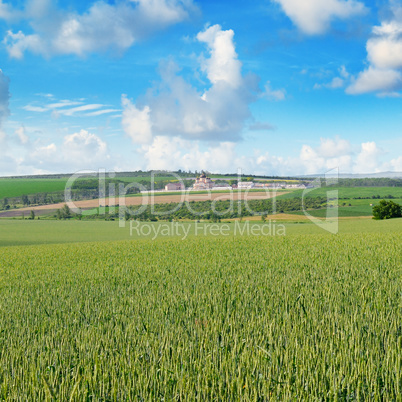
17 232
298 317
17 187
348 192
357 208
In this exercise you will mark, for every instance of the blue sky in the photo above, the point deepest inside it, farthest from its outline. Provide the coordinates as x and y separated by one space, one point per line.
281 87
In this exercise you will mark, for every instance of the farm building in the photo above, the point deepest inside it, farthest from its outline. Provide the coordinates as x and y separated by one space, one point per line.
245 185
174 186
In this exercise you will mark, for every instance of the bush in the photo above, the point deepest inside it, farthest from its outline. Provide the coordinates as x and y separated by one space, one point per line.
387 210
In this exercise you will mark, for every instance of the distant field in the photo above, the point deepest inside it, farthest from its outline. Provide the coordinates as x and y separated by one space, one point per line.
362 210
146 178
348 192
17 187
357 208
25 232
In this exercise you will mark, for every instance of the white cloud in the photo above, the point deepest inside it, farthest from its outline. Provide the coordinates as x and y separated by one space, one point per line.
63 108
334 147
102 112
166 153
315 16
336 82
175 108
37 109
17 43
63 103
84 145
396 164
384 50
374 80
178 153
223 64
81 150
103 26
21 135
274 94
367 160
384 55
7 13
136 123
78 109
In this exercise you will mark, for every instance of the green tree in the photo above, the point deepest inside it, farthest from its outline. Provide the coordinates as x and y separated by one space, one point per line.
32 215
387 210
66 212
24 199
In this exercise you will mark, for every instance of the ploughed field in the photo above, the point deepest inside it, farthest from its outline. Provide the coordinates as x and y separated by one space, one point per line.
147 199
315 317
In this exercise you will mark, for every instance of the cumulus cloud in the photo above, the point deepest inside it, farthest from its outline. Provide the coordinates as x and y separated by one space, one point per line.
367 160
176 108
84 145
340 153
165 153
136 123
81 150
384 55
223 65
375 80
102 27
334 147
330 154
315 16
177 153
396 164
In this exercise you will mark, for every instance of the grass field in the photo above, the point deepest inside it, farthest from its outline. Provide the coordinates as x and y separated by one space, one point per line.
348 192
355 210
17 187
26 232
298 317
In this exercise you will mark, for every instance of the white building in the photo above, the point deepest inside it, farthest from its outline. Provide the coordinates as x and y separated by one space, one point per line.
244 185
177 186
